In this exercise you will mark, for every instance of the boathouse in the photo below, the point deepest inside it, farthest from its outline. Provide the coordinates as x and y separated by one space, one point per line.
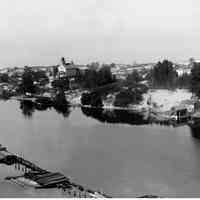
179 114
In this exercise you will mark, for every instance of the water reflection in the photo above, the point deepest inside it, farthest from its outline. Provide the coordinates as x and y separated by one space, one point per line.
132 160
29 107
64 110
115 116
195 131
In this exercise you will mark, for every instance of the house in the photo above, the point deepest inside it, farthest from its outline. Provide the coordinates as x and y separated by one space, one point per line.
61 70
68 69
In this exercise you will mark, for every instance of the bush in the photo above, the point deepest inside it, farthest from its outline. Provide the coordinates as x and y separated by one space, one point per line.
92 99
96 101
61 83
41 77
134 77
4 78
85 99
127 96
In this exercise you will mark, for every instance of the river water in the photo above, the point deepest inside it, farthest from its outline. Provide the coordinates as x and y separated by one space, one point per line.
114 152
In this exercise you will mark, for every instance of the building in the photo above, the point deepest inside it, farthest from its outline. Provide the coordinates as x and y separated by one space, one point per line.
68 69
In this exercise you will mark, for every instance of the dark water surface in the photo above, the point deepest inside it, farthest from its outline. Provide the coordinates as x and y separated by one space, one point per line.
122 159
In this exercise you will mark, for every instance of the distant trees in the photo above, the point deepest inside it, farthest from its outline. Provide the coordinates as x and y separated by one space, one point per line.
27 84
184 81
127 96
40 77
104 75
89 79
55 71
195 79
163 75
31 80
61 83
86 99
132 92
4 78
93 66
92 99
95 78
129 91
133 78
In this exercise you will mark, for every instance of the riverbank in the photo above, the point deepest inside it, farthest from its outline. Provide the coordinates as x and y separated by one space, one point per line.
159 110
163 99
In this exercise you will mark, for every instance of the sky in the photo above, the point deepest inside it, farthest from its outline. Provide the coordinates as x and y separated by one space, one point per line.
40 32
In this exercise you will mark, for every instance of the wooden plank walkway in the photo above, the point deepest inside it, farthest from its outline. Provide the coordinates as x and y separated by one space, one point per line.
45 179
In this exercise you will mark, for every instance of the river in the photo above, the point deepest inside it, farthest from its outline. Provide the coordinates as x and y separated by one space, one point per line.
117 153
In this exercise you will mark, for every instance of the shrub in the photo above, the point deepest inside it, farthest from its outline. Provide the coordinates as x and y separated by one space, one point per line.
92 99
127 96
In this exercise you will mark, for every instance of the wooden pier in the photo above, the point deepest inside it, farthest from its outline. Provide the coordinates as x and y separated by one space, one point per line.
44 179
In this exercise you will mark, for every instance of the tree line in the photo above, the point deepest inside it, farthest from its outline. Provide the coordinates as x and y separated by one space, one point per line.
128 91
164 75
96 76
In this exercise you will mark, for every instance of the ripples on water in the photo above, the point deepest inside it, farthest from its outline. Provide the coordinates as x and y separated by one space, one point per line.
97 150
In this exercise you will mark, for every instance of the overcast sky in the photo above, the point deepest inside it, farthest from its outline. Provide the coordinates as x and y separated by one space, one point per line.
34 32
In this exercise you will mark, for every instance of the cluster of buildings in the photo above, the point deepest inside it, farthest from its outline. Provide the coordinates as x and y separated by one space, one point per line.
71 70
66 68
121 70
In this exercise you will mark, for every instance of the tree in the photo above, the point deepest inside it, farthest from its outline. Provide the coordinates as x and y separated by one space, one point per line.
134 77
93 66
89 79
41 77
164 75
195 79
4 78
184 80
27 85
112 65
93 78
86 99
104 75
92 99
61 83
127 96
60 99
96 100
55 71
